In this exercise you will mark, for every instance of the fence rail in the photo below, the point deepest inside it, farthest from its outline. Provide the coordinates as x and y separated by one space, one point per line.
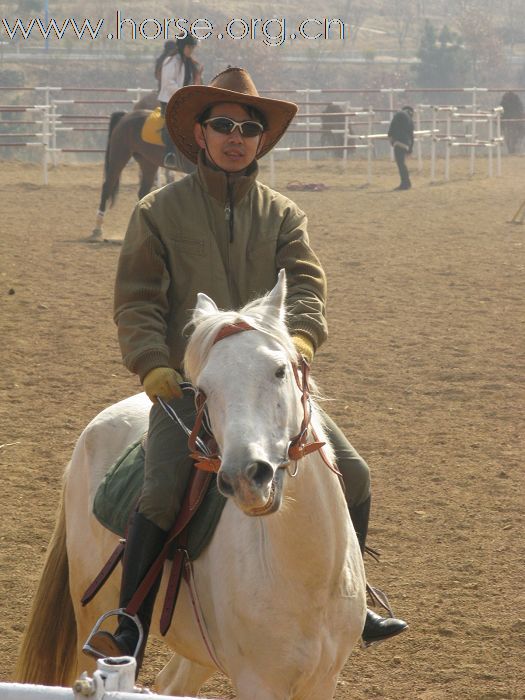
440 129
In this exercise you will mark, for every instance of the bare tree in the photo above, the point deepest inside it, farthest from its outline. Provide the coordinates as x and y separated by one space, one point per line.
353 14
402 13
482 43
514 23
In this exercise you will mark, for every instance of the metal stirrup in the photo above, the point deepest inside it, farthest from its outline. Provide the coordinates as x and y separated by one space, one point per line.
121 613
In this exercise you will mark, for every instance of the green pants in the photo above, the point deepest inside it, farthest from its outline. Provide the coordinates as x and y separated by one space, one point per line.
168 466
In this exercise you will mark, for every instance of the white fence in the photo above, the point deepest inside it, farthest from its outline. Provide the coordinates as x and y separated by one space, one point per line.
440 129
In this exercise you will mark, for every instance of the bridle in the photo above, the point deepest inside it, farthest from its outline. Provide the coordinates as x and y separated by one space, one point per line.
206 456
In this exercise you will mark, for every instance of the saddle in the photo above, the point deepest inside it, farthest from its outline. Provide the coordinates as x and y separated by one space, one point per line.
115 500
152 128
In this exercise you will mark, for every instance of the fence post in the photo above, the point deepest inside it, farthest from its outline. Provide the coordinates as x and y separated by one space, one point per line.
418 142
433 146
370 145
498 111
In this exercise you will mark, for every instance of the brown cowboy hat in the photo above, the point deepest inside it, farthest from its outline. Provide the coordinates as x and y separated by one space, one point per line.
232 85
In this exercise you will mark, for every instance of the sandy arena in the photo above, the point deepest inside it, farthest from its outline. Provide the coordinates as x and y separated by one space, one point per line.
424 368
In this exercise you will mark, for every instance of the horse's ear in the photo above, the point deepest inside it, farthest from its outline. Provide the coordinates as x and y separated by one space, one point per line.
204 307
276 299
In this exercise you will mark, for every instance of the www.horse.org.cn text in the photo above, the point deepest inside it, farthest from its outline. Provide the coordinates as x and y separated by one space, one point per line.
272 32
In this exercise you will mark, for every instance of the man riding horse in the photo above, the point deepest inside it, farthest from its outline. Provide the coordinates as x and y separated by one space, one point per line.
222 230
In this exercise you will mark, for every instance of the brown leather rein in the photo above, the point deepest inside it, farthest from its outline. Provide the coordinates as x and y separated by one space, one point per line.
298 446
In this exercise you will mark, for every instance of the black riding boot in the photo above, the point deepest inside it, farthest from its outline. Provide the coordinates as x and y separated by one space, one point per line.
376 628
143 544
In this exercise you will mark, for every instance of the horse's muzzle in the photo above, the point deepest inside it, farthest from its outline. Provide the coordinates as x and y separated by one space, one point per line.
256 488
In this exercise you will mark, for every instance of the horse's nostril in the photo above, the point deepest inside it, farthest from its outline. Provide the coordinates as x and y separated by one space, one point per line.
224 485
260 473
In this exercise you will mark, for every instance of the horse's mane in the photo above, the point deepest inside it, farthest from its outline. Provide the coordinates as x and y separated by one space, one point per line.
256 313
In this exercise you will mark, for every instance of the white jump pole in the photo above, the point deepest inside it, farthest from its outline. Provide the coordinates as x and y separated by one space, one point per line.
370 120
47 89
114 679
433 146
307 92
491 142
448 146
418 142
44 109
53 129
499 140
474 136
345 142
474 91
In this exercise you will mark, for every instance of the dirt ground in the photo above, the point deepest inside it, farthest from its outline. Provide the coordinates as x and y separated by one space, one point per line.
424 366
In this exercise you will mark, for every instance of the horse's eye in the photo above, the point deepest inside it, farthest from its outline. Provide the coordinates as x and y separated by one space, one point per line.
281 372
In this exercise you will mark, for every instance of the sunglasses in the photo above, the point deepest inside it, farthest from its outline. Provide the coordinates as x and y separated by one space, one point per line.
225 125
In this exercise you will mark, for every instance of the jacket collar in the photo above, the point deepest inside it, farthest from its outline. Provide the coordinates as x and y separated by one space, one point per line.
215 182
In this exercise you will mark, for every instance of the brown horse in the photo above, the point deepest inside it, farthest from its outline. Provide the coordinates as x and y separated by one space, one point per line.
512 121
147 101
330 121
125 142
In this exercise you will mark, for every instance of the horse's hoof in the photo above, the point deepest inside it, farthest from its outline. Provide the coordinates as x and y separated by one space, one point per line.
96 234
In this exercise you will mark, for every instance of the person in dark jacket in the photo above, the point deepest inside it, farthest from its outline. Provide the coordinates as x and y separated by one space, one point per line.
401 135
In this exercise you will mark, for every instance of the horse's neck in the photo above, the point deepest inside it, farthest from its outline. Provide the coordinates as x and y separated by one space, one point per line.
312 530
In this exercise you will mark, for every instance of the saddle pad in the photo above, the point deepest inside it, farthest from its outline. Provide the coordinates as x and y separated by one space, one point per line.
119 491
151 130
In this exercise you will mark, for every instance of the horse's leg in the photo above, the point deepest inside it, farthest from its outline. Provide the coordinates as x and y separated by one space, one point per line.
251 687
148 171
116 142
118 158
182 677
323 689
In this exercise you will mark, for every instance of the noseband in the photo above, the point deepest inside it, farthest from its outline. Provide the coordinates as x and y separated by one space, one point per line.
298 447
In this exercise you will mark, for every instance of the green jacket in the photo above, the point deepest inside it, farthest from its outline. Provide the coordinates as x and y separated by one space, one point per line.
226 236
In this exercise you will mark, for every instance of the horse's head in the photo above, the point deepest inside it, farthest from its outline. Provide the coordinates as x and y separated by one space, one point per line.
251 395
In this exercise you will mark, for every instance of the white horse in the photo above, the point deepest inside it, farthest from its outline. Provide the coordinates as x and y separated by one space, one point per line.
282 595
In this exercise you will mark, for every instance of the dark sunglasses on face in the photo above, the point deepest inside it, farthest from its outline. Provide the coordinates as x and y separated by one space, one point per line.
225 125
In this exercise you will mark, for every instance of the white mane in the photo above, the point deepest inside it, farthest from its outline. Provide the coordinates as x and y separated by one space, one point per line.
255 313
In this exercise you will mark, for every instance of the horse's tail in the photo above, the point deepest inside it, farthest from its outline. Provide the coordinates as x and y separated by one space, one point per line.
49 647
113 121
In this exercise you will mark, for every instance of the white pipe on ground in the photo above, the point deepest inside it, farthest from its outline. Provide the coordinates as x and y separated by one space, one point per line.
114 679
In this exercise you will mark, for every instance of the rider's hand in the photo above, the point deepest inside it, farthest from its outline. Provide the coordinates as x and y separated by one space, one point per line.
163 382
304 346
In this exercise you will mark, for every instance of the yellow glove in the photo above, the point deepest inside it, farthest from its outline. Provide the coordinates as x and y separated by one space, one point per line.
163 382
304 346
